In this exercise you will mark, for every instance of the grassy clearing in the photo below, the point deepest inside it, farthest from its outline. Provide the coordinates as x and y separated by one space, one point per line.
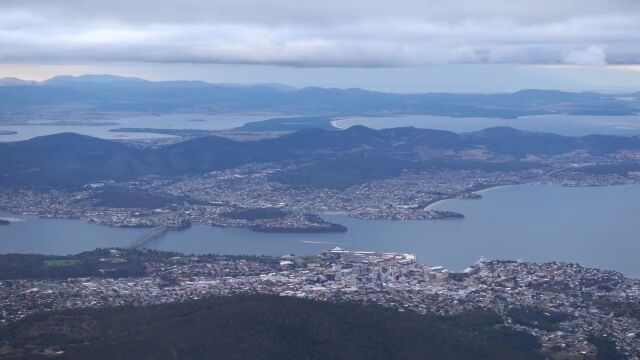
61 262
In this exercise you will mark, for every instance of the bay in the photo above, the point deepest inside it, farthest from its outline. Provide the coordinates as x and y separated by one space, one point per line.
570 125
563 124
165 121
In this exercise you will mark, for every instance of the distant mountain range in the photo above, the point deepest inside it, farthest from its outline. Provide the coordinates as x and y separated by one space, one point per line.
108 93
359 154
11 81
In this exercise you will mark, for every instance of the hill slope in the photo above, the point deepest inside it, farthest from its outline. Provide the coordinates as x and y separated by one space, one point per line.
267 327
67 160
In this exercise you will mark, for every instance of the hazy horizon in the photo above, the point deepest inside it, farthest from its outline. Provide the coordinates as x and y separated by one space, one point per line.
409 46
315 80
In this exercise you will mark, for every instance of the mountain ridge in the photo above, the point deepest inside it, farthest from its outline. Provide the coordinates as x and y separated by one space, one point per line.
111 93
69 159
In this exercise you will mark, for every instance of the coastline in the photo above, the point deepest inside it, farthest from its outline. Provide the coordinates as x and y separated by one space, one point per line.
495 188
334 123
434 204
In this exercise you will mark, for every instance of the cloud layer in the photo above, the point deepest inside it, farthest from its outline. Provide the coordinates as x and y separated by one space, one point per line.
351 33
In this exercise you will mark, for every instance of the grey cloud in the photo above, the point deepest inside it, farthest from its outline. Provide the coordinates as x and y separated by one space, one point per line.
593 55
354 33
326 11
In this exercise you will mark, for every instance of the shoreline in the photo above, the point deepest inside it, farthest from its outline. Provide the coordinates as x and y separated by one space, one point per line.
433 205
497 187
334 123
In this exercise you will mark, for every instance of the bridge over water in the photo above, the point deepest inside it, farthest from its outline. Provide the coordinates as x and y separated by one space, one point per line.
149 236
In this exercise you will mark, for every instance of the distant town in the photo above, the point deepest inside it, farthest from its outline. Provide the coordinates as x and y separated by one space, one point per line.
247 197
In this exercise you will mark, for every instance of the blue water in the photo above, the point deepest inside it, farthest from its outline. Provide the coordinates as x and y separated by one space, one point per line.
570 125
164 121
60 237
597 227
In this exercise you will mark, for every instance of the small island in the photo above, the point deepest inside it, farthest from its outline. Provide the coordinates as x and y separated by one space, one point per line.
5 222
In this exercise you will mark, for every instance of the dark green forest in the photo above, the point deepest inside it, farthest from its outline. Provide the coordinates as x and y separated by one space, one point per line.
267 327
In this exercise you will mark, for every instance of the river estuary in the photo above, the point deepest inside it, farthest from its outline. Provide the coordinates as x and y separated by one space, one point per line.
594 226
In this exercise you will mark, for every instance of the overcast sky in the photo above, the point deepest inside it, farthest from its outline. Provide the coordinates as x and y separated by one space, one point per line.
400 45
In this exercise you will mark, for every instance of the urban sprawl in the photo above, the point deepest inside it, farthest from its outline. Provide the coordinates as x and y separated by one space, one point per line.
210 198
577 300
